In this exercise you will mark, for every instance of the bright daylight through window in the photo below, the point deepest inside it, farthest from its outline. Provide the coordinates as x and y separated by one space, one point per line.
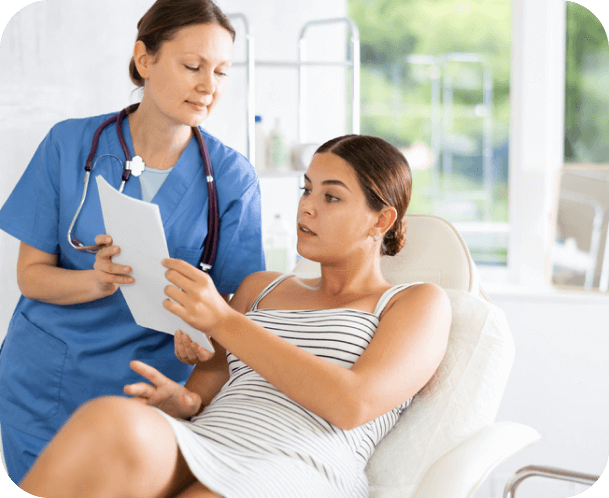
435 83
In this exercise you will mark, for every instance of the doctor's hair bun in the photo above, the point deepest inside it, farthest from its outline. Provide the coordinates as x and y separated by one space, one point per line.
383 174
166 17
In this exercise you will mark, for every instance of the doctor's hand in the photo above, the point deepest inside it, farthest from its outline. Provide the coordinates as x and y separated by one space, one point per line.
188 351
109 275
164 394
193 296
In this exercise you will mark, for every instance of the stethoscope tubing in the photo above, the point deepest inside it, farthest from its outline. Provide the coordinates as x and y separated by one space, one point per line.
213 214
213 219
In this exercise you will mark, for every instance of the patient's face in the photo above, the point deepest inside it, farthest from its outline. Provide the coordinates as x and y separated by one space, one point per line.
334 220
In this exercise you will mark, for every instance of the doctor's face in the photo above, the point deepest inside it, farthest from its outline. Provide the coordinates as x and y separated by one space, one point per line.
187 77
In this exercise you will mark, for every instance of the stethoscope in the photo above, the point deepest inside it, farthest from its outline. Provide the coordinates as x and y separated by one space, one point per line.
136 166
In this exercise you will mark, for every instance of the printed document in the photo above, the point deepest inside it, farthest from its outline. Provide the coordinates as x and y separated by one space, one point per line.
136 227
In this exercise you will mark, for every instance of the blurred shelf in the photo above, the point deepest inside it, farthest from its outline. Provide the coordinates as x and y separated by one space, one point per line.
290 173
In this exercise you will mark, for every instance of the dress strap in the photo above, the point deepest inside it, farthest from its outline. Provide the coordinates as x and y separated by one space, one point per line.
389 293
269 288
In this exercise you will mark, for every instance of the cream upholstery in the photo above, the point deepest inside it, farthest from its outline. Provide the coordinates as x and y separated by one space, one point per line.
434 252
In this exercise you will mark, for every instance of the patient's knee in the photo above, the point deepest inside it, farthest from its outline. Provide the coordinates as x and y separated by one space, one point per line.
111 421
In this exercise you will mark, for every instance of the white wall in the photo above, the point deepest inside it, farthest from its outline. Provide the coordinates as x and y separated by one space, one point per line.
559 385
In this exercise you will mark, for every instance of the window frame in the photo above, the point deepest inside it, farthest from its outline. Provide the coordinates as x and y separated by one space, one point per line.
537 95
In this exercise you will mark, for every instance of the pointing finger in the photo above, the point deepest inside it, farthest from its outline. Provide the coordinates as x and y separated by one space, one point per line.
150 373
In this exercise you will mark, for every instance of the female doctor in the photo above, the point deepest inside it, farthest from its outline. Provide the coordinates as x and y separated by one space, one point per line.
72 336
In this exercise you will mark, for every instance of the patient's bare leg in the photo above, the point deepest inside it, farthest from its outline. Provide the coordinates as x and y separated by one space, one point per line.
111 446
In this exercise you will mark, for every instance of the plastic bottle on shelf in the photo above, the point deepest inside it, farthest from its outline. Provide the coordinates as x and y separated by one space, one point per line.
261 145
280 246
277 150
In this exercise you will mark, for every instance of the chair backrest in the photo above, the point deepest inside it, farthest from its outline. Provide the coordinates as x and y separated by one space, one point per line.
463 395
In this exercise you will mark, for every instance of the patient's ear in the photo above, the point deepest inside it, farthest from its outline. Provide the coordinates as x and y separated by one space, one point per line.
386 219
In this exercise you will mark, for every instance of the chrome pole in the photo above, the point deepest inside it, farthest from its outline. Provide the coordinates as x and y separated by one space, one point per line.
548 472
250 112
354 61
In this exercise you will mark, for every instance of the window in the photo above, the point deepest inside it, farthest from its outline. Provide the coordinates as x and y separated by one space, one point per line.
435 83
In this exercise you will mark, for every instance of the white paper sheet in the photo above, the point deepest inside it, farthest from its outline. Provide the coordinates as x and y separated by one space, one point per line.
136 227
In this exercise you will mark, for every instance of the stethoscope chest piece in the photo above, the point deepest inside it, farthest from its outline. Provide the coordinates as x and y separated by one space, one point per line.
136 166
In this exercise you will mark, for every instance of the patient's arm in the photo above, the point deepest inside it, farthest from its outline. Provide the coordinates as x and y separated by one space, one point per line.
208 377
407 347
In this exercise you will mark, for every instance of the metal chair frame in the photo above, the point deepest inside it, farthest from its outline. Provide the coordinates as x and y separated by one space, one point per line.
548 472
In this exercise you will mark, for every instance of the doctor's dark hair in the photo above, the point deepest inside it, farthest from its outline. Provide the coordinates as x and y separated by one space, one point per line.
383 174
166 17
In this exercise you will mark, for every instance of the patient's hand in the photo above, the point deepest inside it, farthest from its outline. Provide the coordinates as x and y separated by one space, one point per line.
164 394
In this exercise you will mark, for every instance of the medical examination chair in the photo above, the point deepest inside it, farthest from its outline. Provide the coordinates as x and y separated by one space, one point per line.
447 442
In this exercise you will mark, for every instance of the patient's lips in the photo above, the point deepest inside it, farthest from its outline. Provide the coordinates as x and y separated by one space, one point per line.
304 229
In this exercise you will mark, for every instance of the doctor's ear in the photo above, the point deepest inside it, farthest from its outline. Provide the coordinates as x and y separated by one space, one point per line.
142 59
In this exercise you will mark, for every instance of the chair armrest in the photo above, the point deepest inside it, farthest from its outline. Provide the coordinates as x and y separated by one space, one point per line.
550 472
461 471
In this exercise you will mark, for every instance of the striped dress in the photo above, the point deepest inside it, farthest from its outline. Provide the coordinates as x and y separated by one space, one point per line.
253 441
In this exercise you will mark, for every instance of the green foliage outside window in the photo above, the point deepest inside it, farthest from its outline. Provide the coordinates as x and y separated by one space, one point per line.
587 85
399 109
390 30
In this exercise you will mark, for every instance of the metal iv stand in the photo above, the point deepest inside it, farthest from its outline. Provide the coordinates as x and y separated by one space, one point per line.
353 62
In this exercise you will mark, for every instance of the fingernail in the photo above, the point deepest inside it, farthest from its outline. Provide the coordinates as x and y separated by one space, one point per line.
126 269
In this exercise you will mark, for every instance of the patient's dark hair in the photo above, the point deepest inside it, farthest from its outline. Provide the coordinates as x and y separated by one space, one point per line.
166 17
383 174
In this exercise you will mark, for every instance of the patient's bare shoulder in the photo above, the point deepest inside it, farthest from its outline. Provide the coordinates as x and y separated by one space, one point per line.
250 289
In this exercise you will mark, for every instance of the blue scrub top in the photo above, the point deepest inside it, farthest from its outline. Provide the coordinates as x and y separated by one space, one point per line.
55 358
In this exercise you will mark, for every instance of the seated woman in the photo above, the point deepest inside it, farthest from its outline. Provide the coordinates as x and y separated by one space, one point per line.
308 374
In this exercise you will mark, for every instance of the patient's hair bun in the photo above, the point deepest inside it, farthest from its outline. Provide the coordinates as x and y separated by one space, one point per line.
394 239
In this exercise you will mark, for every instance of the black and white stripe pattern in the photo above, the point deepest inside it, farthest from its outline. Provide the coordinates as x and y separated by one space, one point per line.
252 440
